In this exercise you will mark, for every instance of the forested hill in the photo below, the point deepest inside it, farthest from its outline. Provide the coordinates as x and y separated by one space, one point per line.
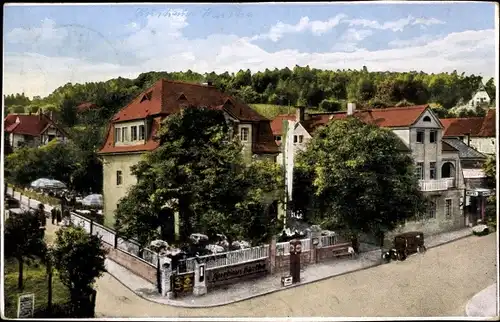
323 89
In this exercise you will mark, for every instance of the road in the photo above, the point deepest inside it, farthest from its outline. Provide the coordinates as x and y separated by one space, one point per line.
438 283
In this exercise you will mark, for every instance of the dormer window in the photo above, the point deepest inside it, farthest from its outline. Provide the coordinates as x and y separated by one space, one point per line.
146 96
182 97
427 119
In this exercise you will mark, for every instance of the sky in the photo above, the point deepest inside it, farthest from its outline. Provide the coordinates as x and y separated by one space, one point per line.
47 46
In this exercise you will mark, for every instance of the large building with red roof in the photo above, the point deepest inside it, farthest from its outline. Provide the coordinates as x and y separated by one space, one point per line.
132 130
477 132
31 130
438 163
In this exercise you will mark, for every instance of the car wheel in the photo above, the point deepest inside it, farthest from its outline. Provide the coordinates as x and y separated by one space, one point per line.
421 249
386 257
401 256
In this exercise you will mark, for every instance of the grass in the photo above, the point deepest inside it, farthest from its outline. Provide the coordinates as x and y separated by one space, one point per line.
35 281
271 111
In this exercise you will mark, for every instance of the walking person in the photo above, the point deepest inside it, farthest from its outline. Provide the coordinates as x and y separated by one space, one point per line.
58 216
53 214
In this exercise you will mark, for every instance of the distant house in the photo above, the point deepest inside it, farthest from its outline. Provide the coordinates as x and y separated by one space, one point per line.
32 130
476 132
481 97
87 106
132 131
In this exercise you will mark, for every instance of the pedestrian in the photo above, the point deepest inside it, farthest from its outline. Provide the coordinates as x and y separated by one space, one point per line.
59 216
53 213
41 214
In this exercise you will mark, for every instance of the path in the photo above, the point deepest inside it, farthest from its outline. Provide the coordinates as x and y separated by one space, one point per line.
438 283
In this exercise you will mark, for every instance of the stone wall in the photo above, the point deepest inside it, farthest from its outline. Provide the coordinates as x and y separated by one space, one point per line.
134 264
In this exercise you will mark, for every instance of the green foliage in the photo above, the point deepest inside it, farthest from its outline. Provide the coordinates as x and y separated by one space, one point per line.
357 179
47 200
489 168
24 239
35 282
199 171
77 167
79 259
330 105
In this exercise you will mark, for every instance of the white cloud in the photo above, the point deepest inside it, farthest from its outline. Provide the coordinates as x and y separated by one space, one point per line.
416 41
47 32
317 27
427 21
396 25
160 45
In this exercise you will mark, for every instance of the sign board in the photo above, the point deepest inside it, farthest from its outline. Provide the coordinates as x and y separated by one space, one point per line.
286 281
26 306
487 193
229 274
183 284
471 193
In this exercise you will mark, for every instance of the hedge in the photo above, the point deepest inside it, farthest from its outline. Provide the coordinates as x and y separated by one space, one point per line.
47 200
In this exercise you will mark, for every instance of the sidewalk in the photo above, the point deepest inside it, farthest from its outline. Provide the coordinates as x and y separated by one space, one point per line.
24 202
266 285
484 303
369 257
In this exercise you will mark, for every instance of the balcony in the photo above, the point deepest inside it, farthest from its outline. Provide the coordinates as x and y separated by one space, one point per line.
437 185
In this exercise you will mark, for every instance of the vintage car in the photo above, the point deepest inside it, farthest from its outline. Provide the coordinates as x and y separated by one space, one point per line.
405 244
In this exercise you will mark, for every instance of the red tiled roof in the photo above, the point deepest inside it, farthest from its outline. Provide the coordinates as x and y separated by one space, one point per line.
29 124
462 126
277 123
167 97
85 107
384 117
489 126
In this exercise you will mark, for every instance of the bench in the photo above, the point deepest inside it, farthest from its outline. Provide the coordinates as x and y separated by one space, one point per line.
343 249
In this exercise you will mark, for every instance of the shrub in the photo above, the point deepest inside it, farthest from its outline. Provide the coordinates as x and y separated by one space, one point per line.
330 105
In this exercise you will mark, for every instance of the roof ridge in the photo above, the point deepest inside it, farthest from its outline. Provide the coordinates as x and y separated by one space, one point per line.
186 83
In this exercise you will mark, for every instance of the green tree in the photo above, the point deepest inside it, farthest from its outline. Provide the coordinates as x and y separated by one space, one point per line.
24 240
330 105
491 90
489 168
199 171
361 180
68 111
79 259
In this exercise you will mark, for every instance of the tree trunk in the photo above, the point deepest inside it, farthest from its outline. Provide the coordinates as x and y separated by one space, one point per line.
49 287
20 276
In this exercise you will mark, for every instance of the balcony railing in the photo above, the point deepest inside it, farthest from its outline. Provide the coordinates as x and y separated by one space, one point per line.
437 185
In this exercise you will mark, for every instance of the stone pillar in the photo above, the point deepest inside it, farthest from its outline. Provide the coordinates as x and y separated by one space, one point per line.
166 275
200 280
315 243
272 256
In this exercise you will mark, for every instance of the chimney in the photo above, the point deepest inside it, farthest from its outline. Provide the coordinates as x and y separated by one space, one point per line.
209 83
351 108
299 114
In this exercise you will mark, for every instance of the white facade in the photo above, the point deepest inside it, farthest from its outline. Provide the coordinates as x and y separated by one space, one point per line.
481 97
486 145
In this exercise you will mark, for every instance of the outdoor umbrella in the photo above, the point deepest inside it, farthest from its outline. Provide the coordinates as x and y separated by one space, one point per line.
40 183
44 183
94 200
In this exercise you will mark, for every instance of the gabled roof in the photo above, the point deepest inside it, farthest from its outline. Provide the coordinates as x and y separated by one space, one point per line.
462 126
384 117
165 97
489 126
29 124
464 151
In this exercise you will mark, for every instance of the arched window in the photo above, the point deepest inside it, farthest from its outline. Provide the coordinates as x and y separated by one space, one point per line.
427 119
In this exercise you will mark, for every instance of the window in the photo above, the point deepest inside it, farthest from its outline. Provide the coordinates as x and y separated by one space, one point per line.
118 132
277 138
420 136
427 119
431 212
124 134
133 133
301 138
244 134
433 136
447 208
432 170
119 178
420 170
141 132
294 139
